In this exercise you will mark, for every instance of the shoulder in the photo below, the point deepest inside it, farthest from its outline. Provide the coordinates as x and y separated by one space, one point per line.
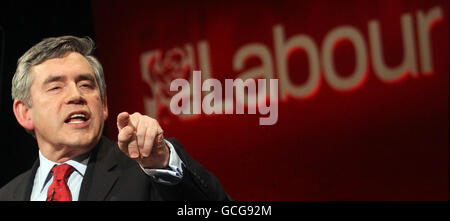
110 154
7 191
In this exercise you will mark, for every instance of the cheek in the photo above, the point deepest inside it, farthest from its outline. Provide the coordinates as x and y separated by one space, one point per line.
100 110
44 120
46 112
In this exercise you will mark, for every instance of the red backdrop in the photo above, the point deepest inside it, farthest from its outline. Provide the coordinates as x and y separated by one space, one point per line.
376 139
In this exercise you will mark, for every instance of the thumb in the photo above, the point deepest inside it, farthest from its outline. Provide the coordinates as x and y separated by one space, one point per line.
122 120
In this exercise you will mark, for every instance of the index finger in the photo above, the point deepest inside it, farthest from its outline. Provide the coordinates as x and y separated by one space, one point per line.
122 120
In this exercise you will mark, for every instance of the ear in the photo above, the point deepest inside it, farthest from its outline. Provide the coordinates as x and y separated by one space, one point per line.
105 108
23 114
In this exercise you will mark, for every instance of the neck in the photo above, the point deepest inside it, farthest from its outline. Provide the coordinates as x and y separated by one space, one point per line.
63 152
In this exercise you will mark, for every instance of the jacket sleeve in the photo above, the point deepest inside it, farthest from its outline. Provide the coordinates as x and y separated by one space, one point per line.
197 183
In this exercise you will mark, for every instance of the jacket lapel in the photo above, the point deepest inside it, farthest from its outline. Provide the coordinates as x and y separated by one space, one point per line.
101 174
25 186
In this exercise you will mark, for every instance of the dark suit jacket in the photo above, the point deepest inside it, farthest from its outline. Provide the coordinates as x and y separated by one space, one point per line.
111 175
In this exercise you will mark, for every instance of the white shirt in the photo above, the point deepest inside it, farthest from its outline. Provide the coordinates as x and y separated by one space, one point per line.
44 177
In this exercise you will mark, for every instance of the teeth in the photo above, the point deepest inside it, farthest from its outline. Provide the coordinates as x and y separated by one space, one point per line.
76 122
77 115
76 118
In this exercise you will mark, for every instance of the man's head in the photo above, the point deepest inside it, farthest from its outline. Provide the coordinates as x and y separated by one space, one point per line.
59 93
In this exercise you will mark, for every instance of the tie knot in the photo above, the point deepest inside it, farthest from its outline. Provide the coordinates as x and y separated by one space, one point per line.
62 171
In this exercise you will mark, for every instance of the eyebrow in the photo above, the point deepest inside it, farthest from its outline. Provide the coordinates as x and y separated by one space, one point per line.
80 77
53 78
83 77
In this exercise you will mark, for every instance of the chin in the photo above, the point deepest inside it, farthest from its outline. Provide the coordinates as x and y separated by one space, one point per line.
82 140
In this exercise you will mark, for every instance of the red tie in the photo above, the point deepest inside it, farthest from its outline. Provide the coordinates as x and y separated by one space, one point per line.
58 190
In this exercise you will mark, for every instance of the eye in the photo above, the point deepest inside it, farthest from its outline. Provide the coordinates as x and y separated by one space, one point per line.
85 85
54 88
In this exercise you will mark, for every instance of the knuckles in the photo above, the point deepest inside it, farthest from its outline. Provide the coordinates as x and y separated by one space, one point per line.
142 120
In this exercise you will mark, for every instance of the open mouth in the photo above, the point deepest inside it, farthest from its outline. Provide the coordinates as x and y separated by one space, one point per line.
77 118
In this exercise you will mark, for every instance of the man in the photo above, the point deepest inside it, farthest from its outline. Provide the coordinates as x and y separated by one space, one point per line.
59 95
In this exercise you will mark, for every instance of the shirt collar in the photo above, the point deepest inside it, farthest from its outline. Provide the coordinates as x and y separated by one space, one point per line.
46 165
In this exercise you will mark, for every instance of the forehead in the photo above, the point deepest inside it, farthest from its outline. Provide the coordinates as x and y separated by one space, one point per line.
71 65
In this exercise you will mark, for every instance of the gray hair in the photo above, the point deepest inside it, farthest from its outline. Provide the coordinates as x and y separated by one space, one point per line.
53 48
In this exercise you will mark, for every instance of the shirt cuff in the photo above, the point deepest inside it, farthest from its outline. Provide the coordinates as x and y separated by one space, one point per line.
170 175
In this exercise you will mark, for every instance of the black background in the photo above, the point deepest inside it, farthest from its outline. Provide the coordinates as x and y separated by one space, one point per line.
22 25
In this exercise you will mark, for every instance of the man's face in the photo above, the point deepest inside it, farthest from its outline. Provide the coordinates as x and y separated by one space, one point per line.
66 105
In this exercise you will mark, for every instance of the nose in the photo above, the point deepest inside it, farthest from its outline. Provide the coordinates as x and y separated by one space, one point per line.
74 95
